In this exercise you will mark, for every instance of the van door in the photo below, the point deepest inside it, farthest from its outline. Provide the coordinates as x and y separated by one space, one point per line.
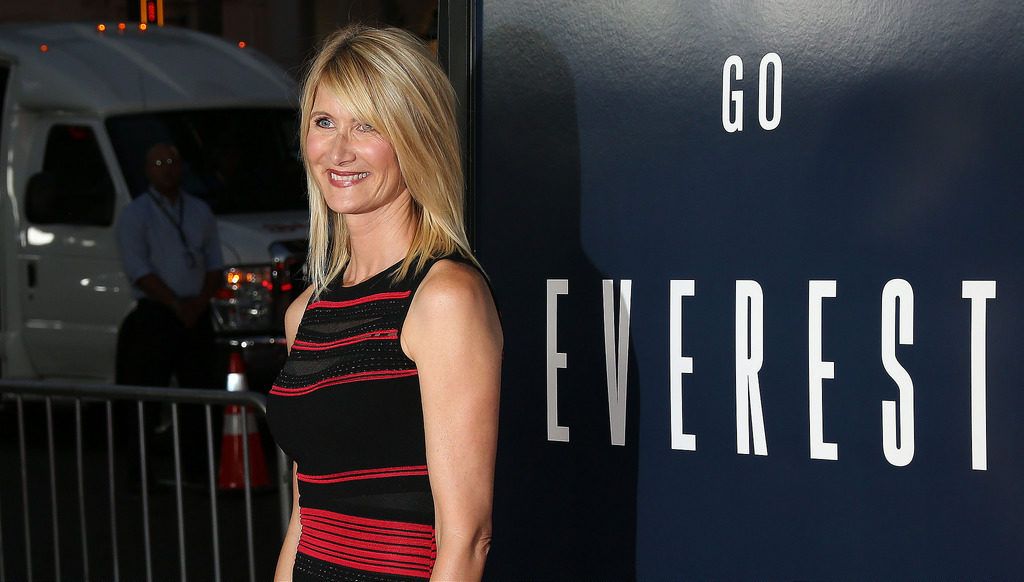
75 295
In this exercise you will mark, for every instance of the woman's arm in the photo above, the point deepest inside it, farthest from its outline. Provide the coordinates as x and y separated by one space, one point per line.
453 335
286 559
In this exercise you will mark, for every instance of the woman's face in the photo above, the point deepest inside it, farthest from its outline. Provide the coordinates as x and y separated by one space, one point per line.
355 167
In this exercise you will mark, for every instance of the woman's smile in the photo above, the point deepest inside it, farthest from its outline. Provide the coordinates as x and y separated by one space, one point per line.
345 179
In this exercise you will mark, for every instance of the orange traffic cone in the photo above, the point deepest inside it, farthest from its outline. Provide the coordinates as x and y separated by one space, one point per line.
232 457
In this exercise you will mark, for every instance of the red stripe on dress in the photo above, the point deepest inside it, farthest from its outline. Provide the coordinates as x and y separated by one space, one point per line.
363 566
381 473
381 553
383 334
396 537
359 301
404 536
345 379
369 521
368 545
359 539
324 550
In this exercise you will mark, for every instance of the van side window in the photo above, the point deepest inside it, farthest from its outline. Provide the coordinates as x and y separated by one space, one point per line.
74 187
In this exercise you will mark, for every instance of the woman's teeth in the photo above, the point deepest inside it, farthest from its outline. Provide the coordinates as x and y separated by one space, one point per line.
348 177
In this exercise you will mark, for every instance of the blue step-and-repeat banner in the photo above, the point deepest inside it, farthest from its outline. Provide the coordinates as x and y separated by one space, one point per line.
759 267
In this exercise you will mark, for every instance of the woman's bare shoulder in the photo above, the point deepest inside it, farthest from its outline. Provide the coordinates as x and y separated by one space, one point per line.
453 298
453 281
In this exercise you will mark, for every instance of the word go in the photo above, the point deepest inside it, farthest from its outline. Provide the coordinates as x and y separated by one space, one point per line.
732 119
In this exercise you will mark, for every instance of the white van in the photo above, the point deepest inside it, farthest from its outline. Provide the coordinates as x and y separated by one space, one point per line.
80 106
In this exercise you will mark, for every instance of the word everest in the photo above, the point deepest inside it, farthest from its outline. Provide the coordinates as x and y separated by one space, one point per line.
897 312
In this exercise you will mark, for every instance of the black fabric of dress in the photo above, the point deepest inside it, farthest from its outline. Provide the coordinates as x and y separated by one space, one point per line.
346 407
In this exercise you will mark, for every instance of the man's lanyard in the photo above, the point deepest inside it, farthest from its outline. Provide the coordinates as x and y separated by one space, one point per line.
177 224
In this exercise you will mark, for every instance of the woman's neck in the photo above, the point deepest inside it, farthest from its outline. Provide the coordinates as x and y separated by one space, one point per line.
379 239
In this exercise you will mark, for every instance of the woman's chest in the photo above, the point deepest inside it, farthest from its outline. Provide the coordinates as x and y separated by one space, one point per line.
352 426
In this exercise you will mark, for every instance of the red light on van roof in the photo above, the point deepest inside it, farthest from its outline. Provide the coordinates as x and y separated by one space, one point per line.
43 48
241 44
121 26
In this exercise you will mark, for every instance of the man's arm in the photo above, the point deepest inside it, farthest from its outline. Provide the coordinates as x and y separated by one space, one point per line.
195 307
155 288
211 284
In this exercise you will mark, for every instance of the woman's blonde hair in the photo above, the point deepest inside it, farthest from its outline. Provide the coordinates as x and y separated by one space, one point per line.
387 78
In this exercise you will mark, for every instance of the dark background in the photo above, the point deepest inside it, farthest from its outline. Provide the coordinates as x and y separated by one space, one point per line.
601 154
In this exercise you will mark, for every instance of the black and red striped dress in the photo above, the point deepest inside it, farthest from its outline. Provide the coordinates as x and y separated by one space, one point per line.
346 407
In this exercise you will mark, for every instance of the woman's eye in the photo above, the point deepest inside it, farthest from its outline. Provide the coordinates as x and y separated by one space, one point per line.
322 122
364 127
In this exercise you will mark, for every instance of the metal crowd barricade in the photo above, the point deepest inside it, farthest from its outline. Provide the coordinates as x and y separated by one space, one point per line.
20 392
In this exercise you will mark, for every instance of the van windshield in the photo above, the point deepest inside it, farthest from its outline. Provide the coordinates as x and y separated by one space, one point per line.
237 160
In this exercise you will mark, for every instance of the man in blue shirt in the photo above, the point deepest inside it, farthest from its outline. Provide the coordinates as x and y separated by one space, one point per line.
169 244
171 253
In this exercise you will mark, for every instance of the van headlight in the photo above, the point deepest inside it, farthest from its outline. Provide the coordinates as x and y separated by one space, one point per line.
245 301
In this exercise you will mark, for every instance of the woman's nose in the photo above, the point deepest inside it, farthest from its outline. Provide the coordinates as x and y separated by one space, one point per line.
341 149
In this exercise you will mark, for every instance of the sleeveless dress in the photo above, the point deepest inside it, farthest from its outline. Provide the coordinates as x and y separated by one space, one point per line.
346 407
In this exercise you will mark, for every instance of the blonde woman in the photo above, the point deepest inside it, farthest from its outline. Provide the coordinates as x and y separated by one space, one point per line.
388 402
